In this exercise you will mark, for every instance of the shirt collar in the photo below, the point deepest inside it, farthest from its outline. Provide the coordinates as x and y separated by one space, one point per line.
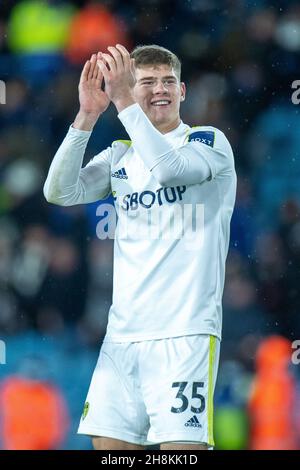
180 129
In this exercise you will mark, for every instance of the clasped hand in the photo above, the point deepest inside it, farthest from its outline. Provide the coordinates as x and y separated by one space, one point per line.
119 76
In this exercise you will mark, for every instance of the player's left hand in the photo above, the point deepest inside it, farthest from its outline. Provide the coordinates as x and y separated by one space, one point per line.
118 72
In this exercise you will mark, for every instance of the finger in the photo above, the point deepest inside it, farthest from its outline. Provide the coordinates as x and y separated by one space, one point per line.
122 48
110 61
99 73
103 68
125 55
117 56
85 71
100 78
100 83
132 66
96 69
92 68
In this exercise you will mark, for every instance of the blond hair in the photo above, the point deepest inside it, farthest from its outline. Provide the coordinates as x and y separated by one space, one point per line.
156 55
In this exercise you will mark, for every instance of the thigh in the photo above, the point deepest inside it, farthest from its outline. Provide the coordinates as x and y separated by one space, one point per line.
182 446
113 407
106 443
178 381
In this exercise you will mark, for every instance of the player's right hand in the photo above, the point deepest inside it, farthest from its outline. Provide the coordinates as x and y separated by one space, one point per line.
93 100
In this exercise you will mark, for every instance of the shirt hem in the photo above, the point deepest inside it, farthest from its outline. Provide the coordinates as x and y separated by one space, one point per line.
158 335
112 433
161 438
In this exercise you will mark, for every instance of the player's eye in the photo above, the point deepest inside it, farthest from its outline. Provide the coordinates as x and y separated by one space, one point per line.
148 82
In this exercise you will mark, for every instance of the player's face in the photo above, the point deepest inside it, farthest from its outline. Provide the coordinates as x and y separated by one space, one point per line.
159 93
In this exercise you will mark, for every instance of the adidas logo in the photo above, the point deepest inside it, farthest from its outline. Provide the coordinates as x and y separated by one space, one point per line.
120 174
193 422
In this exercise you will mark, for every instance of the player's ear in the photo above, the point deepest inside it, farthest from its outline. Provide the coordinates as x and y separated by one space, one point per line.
183 91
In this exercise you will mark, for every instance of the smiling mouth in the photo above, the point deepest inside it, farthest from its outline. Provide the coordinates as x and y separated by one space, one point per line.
160 103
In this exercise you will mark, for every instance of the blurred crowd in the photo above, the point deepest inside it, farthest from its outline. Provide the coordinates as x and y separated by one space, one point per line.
239 60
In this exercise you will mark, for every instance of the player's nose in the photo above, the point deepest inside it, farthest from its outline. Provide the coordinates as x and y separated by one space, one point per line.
160 87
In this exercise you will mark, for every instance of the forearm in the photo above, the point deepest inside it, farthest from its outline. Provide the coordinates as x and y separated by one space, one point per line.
168 165
85 121
62 185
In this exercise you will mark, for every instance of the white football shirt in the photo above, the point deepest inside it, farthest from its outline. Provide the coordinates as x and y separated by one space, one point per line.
174 196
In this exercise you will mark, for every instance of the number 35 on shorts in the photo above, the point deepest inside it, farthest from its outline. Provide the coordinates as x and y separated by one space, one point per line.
197 401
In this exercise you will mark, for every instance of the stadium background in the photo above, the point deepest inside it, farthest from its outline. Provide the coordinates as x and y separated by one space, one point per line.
239 61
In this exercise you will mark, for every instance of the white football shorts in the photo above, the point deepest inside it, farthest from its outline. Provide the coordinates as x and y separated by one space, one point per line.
155 391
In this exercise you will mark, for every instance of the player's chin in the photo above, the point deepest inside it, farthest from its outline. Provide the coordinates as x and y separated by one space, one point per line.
158 116
160 119
161 112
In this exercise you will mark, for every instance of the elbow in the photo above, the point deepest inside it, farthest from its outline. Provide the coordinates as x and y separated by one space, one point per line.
47 193
164 182
164 178
52 196
51 199
167 181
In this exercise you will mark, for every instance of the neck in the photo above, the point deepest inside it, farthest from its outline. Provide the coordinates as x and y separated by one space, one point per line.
168 127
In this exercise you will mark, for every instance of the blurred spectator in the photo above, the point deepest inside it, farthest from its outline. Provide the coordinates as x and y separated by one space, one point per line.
93 325
92 29
287 32
205 103
63 288
272 403
37 34
34 412
239 59
230 418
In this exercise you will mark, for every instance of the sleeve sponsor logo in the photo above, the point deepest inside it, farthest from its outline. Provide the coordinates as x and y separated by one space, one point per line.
204 137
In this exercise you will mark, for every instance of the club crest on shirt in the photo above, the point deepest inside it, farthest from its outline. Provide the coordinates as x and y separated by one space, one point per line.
205 137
